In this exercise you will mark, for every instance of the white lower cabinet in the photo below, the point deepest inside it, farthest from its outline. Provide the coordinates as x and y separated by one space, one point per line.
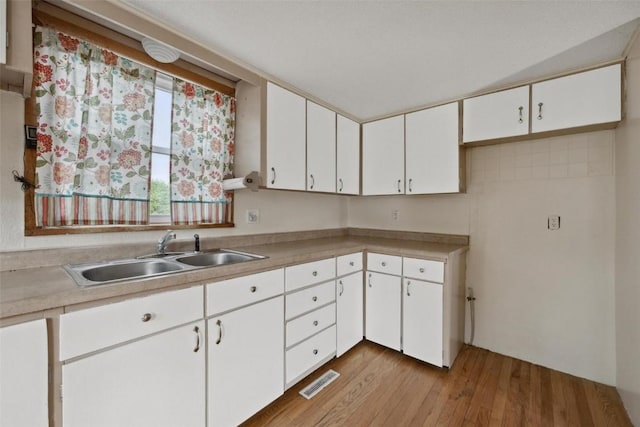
422 320
156 381
24 375
246 361
382 324
350 316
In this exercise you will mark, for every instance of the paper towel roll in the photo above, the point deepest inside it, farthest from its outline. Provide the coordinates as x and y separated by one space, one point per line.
251 181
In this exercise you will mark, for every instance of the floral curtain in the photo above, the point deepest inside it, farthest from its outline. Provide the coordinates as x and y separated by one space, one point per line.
202 148
94 133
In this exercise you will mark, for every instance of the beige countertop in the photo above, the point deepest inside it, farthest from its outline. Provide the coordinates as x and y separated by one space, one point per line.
33 290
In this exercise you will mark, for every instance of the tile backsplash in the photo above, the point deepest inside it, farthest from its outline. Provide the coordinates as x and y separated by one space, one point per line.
571 156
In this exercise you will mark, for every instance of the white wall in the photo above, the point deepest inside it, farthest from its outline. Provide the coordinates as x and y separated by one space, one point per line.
279 210
628 243
543 296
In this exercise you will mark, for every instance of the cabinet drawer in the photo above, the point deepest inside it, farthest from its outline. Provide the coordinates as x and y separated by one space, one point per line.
347 264
92 329
307 325
423 269
309 353
233 293
389 264
299 276
310 299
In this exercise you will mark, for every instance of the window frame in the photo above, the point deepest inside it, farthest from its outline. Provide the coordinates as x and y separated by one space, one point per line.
122 45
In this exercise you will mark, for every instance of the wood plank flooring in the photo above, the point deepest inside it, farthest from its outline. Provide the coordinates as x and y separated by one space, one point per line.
381 387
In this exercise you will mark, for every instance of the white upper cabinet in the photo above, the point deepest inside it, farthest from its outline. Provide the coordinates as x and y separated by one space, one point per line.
581 99
432 152
348 156
383 156
496 115
321 148
286 139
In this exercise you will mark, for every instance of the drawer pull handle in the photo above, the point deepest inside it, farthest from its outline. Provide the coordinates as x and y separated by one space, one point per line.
352 263
314 299
146 317
315 351
315 323
421 269
341 287
197 331
253 289
369 279
314 274
384 264
220 332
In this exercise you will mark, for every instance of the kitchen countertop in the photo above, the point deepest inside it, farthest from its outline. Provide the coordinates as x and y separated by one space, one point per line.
34 290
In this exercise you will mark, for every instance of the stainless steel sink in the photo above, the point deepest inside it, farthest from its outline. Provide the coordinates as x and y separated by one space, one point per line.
99 273
215 258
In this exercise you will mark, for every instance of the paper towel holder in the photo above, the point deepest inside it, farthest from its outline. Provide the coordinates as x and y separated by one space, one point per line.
250 181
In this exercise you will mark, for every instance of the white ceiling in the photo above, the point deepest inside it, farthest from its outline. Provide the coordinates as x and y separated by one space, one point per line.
371 59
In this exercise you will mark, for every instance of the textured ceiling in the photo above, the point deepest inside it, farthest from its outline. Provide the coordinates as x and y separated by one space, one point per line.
370 58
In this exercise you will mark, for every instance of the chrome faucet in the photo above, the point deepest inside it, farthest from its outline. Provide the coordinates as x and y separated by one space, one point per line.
162 243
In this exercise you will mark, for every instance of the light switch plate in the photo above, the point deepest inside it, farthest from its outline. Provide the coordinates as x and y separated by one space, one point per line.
253 216
553 222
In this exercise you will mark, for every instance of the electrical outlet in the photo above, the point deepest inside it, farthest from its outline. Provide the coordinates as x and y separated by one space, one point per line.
395 215
253 216
553 222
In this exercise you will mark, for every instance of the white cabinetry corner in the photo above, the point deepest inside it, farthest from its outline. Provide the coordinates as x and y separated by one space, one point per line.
321 148
286 139
432 150
24 378
383 156
347 156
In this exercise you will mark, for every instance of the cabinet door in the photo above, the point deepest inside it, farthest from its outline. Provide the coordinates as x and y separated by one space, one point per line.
350 320
286 139
246 361
348 156
422 321
432 152
383 156
321 148
382 324
577 100
24 375
496 115
157 381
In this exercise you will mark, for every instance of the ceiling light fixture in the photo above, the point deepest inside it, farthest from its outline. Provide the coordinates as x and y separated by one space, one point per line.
160 51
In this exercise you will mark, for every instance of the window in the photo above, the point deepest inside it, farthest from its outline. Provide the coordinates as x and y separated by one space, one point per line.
121 144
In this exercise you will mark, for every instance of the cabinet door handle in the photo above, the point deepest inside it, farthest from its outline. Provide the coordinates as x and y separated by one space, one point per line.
341 185
520 119
315 351
313 181
314 299
384 264
369 279
341 288
540 110
253 289
352 263
197 331
314 274
399 182
220 332
408 284
421 269
273 174
315 323
146 317
410 182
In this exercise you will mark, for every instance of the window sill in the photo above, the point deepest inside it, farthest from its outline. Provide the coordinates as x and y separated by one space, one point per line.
52 231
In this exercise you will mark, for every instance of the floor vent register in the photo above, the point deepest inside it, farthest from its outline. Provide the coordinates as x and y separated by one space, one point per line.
315 387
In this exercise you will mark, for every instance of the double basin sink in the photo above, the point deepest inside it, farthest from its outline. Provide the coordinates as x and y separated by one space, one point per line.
99 273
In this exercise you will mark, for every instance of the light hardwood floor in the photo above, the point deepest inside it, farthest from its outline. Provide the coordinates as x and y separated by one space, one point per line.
381 387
